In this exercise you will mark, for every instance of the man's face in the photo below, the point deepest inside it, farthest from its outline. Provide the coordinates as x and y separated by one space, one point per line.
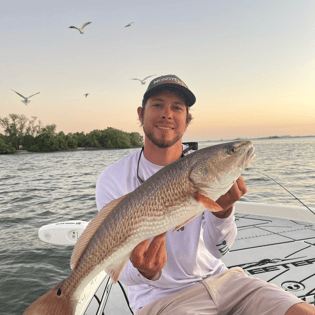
164 119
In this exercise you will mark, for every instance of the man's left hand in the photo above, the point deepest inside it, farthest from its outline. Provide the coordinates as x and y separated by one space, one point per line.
227 200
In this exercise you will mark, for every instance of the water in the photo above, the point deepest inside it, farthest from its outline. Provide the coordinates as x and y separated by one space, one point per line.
43 188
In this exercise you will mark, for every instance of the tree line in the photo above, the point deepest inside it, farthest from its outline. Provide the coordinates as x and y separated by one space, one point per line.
31 135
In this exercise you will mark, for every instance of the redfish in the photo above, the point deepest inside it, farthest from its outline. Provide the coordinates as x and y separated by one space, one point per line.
172 197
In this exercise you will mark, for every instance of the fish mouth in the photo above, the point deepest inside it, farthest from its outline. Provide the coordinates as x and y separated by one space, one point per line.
249 156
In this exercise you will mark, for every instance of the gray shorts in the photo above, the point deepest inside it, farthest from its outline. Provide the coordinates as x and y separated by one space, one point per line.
230 292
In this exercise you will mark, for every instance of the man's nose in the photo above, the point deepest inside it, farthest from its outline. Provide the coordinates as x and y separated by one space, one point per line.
167 113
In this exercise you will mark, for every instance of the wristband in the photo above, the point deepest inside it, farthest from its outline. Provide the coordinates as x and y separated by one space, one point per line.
157 276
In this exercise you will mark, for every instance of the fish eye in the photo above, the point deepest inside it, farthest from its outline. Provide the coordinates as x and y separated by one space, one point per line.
231 151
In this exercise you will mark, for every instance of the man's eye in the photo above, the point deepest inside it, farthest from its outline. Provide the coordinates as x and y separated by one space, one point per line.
178 108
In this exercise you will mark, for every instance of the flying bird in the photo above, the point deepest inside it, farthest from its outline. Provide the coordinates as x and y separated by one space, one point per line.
26 99
86 94
143 81
128 24
81 28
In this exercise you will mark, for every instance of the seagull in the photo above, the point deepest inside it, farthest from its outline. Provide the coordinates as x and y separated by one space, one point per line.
81 28
86 94
26 99
143 81
129 24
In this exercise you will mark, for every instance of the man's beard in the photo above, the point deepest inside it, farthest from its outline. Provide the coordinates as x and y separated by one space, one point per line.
161 143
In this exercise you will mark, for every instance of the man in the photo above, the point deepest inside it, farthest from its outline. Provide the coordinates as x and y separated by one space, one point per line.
181 272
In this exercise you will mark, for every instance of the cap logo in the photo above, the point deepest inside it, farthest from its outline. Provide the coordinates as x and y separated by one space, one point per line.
168 80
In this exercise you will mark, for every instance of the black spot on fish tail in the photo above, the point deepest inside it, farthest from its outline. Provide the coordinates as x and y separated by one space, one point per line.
59 292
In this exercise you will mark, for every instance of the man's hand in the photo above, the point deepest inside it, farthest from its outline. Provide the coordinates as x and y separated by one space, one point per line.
227 200
149 259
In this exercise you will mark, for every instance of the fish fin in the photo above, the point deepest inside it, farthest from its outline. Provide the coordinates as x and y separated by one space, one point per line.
181 225
90 230
116 269
53 302
207 202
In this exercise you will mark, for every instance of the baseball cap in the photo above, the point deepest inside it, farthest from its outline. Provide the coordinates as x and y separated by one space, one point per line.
170 81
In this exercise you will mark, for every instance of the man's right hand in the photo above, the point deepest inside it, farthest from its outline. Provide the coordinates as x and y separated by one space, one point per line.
150 259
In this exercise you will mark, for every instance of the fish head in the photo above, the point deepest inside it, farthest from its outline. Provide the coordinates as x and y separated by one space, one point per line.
216 168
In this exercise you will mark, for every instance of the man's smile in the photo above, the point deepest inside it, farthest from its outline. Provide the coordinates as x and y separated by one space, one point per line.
165 127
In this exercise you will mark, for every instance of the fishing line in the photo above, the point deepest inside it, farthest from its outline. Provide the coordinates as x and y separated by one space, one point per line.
287 191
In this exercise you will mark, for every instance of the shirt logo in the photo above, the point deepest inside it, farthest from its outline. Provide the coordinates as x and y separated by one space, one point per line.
224 248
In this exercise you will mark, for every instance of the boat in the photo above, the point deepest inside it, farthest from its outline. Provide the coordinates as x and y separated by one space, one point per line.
274 242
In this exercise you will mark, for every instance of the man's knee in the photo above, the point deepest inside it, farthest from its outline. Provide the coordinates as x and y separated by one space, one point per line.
301 309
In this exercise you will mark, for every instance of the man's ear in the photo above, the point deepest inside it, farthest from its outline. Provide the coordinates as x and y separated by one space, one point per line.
139 110
188 120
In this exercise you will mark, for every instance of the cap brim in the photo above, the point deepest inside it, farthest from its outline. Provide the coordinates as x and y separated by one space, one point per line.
190 98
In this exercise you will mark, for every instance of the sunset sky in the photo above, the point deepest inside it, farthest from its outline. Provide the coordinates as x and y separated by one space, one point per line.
250 63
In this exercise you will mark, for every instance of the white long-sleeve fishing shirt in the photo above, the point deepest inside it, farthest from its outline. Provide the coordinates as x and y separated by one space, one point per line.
193 253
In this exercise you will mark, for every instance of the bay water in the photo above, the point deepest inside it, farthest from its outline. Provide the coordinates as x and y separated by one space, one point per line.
43 188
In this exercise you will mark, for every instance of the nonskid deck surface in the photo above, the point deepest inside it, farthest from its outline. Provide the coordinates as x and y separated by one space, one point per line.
276 250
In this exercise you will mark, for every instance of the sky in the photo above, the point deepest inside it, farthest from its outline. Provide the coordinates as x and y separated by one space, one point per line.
250 63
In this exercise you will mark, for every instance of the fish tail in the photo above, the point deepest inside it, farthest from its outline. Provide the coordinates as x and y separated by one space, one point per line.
54 302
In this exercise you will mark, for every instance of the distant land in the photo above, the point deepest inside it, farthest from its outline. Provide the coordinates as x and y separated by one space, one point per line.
260 138
190 142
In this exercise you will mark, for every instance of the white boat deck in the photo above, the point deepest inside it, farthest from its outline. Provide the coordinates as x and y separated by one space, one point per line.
274 243
278 251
